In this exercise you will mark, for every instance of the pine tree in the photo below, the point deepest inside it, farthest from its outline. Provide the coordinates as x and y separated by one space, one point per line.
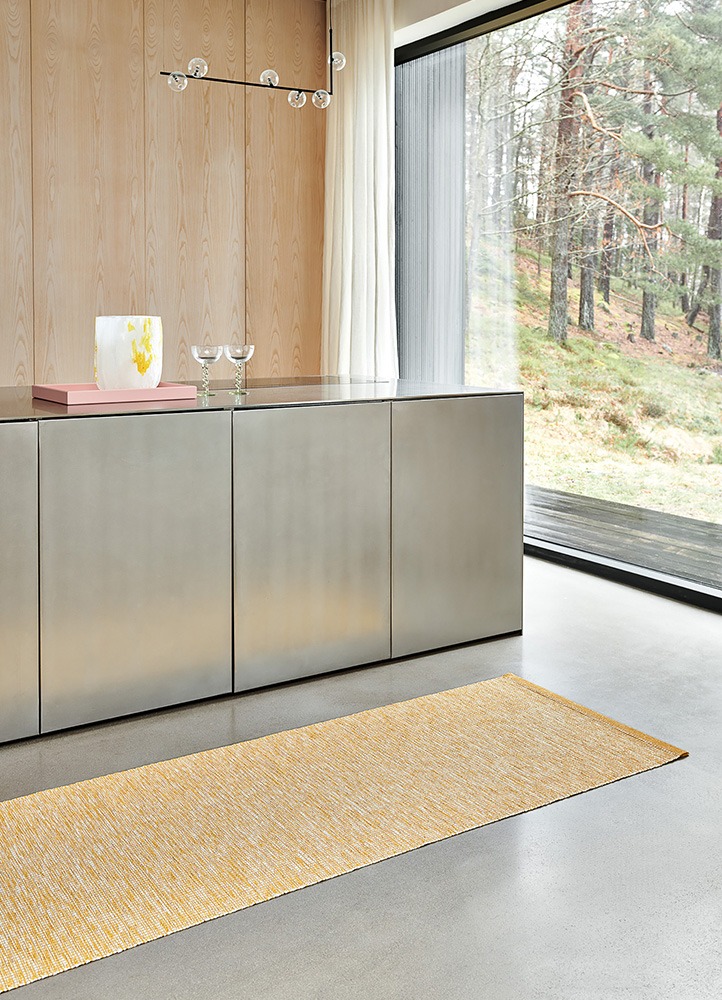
694 68
565 168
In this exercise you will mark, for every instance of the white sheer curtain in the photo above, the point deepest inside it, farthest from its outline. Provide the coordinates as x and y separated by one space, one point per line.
359 317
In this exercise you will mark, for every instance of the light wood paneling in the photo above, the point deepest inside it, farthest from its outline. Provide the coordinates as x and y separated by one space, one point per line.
88 155
195 180
204 207
16 277
285 155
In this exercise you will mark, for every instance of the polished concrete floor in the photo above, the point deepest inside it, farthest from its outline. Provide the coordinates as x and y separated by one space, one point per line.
616 893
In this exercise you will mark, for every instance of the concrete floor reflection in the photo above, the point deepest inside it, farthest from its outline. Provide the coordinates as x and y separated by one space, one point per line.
611 894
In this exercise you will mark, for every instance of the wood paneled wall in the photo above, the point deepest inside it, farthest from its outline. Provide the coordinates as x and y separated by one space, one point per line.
204 207
285 183
195 179
16 261
87 117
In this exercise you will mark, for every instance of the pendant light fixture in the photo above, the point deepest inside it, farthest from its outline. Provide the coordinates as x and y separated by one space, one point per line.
198 70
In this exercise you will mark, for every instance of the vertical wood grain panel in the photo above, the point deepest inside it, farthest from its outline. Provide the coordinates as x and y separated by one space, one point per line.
195 180
88 155
204 207
285 155
16 289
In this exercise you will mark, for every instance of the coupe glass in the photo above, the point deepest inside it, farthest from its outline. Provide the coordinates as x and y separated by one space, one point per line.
206 355
239 354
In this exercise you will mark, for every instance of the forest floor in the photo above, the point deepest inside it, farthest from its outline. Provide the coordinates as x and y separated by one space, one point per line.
616 418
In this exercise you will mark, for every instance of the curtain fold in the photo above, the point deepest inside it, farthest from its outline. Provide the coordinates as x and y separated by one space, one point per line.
359 315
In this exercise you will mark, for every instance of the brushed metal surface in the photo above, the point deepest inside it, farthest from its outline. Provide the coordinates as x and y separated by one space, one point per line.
17 402
311 510
457 520
18 580
136 564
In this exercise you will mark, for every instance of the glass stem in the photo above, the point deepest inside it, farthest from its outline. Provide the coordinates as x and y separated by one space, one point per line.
238 379
206 381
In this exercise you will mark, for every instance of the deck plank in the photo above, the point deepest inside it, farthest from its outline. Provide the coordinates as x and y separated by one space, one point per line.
679 546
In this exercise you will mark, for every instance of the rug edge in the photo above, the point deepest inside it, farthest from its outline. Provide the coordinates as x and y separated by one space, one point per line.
360 867
679 754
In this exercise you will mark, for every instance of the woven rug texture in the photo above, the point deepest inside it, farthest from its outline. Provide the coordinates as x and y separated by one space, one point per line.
94 868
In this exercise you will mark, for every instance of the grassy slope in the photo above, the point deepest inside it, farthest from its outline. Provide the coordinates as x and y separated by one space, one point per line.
600 421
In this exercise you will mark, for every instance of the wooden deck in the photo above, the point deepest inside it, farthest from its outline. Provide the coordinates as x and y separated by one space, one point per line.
678 546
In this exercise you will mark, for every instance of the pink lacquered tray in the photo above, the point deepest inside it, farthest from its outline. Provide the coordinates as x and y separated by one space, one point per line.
88 392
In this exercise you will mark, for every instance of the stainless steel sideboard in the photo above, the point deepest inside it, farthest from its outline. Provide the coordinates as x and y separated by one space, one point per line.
154 556
19 678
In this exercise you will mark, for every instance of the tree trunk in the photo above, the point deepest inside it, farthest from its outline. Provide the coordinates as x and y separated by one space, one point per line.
567 132
586 275
684 297
701 292
714 347
559 297
605 264
649 313
714 232
590 255
650 217
547 150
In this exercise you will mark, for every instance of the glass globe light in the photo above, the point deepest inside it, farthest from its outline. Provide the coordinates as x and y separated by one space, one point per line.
321 99
297 98
269 78
177 82
338 61
197 67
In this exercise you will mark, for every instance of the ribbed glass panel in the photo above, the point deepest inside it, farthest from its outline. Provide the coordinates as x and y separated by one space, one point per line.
430 216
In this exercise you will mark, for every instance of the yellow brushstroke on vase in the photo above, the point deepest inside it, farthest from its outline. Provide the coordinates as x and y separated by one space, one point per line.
143 356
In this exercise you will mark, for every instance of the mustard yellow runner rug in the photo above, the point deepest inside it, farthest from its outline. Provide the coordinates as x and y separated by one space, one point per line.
97 867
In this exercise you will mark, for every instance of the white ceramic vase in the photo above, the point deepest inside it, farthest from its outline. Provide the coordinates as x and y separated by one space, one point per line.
128 352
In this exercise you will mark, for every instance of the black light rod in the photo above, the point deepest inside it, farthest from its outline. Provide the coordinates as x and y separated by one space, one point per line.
241 83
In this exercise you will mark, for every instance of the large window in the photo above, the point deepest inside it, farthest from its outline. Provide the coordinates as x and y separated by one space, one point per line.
559 229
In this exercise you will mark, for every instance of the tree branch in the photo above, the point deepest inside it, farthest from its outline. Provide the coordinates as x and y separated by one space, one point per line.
615 204
643 93
699 34
590 115
642 227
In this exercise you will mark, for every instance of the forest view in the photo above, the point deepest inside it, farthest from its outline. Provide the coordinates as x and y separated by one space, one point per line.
594 244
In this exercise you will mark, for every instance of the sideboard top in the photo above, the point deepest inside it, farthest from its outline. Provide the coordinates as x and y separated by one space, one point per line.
17 403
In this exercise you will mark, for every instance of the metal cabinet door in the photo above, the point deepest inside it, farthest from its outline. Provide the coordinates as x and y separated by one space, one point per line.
312 519
136 563
18 580
457 520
